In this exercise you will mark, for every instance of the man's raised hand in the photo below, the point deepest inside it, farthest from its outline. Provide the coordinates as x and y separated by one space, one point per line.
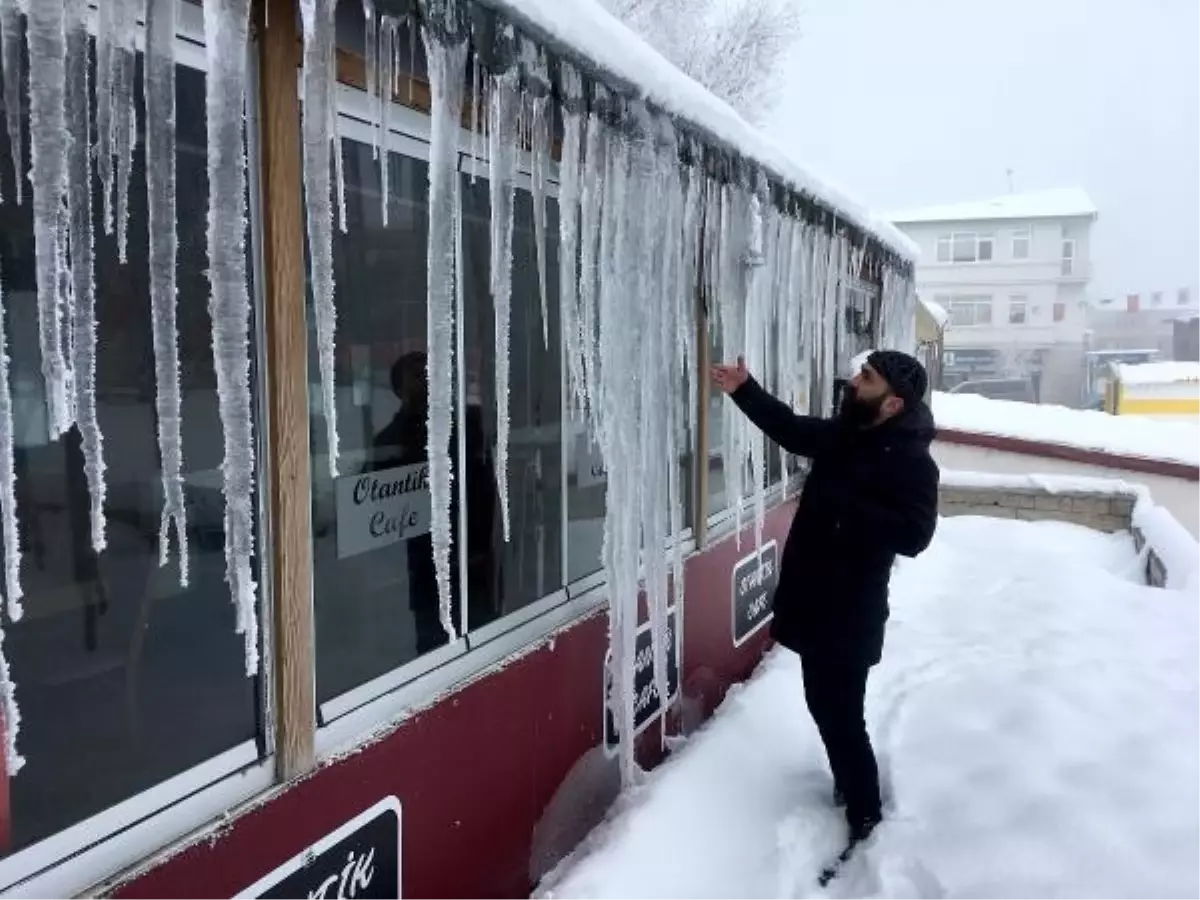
730 378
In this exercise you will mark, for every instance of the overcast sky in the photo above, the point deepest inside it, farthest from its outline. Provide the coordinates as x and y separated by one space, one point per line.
912 102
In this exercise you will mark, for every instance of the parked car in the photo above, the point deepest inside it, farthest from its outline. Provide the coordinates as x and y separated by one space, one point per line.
1019 389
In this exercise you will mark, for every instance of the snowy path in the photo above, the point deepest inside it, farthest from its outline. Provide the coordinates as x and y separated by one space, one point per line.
1036 717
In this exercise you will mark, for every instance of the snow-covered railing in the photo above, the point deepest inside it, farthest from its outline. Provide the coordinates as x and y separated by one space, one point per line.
1172 554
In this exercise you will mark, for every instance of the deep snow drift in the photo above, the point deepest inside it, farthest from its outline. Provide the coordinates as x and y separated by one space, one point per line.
1036 718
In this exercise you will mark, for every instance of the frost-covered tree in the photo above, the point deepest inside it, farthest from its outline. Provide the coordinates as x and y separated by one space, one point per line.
735 48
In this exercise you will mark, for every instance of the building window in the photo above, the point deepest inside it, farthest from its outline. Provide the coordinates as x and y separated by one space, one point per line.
964 247
1182 298
1068 257
1156 298
1020 243
374 582
124 678
967 309
1133 303
1017 309
1106 301
1060 312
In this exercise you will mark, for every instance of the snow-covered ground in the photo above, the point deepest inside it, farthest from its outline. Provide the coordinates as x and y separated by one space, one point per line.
1175 441
1036 718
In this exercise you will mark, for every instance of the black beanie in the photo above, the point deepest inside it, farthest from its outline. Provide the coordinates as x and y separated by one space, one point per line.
903 373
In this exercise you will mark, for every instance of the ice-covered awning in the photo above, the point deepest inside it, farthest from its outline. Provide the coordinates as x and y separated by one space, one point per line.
604 48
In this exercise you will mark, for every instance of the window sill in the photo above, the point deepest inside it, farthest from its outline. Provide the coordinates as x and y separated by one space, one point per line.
76 860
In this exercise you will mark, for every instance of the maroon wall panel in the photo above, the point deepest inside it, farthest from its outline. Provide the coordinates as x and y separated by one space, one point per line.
475 772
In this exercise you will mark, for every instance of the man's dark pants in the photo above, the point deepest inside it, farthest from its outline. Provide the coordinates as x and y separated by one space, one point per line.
835 690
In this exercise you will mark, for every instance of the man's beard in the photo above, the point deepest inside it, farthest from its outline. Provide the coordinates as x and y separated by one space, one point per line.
858 411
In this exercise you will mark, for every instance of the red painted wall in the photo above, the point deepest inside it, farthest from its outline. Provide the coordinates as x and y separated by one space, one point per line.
475 772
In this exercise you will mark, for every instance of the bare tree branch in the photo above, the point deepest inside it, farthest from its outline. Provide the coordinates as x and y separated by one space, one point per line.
735 48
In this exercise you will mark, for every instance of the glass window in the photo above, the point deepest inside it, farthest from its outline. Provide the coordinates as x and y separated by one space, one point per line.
1017 306
1156 298
717 499
1020 244
123 677
943 248
985 247
1068 257
504 577
964 248
1060 311
374 592
374 581
967 309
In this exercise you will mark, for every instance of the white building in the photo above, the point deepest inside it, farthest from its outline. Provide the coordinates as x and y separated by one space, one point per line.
1013 273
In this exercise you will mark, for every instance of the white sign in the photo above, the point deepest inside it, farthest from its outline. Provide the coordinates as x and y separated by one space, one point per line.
376 509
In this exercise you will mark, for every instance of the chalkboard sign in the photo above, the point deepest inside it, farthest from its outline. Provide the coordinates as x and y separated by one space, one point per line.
361 859
753 587
647 706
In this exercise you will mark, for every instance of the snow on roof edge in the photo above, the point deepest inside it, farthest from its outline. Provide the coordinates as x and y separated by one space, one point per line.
1055 203
936 310
1167 371
592 33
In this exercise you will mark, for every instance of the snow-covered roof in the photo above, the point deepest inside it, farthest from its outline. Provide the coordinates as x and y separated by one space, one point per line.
591 33
1166 372
936 311
1059 203
1173 441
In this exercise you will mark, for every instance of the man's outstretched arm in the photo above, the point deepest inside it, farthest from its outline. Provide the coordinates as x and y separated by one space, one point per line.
801 435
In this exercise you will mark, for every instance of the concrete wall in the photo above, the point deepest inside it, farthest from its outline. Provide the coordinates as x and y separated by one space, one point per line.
1099 511
1178 495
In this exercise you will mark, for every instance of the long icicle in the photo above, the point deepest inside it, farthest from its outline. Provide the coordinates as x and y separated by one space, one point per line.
124 119
11 724
226 32
446 52
82 320
46 36
11 43
318 80
159 89
502 146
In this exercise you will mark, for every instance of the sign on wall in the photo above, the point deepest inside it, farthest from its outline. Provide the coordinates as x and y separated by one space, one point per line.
376 509
361 859
754 581
647 705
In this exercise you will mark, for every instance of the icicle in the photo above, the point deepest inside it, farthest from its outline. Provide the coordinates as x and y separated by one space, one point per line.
8 505
539 140
46 35
106 50
10 55
226 27
81 318
124 117
159 90
446 53
591 201
318 81
502 148
387 78
371 46
335 135
411 72
569 173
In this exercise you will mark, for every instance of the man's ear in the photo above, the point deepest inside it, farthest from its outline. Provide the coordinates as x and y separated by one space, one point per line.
893 406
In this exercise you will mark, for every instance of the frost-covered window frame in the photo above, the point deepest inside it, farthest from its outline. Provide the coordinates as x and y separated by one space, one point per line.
96 848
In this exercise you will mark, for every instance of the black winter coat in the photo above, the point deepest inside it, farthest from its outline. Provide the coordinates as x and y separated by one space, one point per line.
870 494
